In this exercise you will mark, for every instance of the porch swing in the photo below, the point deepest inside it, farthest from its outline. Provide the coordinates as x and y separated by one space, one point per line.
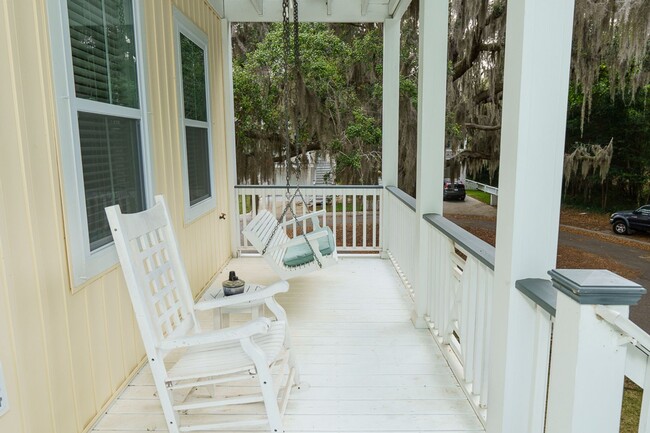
310 251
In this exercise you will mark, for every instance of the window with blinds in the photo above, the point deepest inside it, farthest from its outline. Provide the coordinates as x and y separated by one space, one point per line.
112 160
102 39
104 66
195 109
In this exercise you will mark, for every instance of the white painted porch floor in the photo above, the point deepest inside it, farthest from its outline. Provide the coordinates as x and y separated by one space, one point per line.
368 368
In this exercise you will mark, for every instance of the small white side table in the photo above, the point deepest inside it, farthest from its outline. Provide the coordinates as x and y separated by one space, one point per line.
222 315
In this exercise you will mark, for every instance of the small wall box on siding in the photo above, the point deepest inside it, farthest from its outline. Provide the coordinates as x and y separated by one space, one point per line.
4 401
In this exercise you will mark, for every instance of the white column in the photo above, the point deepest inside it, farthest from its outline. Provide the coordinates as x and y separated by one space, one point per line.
432 98
231 155
390 118
390 102
538 48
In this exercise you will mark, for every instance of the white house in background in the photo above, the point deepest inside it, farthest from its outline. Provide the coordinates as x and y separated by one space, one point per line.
94 111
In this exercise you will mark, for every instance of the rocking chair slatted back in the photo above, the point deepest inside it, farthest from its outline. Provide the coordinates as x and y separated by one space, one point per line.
162 285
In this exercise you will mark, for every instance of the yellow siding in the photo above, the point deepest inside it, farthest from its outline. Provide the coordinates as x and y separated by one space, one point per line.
66 351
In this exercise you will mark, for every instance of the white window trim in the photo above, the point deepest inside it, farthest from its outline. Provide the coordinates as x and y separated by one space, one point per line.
184 25
85 265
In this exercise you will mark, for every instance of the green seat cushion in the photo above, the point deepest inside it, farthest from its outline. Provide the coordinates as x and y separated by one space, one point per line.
301 254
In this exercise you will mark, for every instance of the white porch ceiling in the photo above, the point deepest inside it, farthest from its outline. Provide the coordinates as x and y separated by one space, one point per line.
337 11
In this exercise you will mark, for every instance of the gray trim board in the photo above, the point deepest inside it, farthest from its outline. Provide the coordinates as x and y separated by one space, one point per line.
402 196
539 291
470 243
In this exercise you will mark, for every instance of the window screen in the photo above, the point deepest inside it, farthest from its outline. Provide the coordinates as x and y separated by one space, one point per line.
198 168
195 109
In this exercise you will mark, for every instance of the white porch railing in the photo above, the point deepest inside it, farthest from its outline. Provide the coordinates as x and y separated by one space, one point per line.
354 213
637 365
401 232
593 346
459 285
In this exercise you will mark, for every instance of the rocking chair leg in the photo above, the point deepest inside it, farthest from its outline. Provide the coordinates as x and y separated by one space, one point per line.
266 384
166 400
270 400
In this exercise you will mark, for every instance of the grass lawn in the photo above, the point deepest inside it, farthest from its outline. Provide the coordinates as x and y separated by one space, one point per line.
479 195
631 410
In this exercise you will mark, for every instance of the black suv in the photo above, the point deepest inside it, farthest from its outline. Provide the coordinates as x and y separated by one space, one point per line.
626 220
453 191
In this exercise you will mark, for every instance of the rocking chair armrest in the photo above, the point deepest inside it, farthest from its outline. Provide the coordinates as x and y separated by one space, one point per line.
260 295
235 333
298 240
311 215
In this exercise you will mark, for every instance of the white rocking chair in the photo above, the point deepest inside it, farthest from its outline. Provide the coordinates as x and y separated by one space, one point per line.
288 257
165 311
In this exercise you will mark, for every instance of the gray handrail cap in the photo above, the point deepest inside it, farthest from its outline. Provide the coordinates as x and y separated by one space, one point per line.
596 286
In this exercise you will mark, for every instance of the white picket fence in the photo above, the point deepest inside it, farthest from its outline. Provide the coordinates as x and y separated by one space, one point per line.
354 213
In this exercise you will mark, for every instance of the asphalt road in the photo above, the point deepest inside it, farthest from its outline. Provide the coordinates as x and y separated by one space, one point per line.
634 258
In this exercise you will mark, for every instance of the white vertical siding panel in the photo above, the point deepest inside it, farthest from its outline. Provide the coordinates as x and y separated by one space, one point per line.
98 342
113 329
125 315
80 355
31 274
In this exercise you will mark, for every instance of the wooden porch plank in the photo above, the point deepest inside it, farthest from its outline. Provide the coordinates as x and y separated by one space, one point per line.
307 423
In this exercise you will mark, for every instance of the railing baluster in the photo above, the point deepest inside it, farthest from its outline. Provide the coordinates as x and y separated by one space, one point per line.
293 224
542 349
644 420
354 218
374 219
334 228
245 218
365 212
345 220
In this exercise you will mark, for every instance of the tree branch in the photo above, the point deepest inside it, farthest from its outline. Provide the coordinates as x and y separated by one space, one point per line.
483 127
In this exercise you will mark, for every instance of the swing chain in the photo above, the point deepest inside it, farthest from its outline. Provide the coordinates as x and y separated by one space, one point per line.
286 45
286 39
297 84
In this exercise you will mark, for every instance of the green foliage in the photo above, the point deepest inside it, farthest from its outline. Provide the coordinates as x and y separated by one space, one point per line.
627 121
334 98
365 129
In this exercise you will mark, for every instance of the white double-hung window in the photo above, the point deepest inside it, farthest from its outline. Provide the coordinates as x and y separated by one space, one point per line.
193 94
97 64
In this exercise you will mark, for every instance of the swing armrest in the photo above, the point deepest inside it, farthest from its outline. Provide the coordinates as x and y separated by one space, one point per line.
312 216
227 301
298 240
235 333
